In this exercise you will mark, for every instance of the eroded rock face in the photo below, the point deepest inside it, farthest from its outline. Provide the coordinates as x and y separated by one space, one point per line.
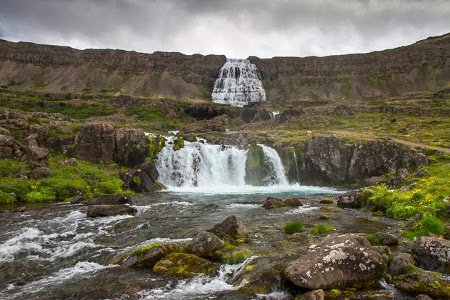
206 243
131 147
338 261
432 254
96 142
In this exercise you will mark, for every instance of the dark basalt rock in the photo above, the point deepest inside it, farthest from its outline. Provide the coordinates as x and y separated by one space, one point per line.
338 261
230 228
206 243
96 142
131 147
271 203
142 179
94 211
432 254
401 264
146 256
387 239
350 200
109 200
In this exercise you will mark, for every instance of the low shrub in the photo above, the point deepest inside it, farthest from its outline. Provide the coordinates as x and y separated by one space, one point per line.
293 227
321 229
41 194
10 167
7 198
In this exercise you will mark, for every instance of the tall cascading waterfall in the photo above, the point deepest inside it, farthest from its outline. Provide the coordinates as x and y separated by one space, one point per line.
238 84
203 165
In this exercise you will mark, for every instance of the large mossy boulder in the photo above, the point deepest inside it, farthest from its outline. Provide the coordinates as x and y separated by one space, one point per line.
116 199
432 254
338 261
259 275
185 265
255 166
423 282
146 256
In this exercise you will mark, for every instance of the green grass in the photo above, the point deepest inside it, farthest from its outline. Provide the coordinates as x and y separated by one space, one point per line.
321 229
293 227
10 167
373 239
236 257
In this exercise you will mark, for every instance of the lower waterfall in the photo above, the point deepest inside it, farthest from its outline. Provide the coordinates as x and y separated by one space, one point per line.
208 168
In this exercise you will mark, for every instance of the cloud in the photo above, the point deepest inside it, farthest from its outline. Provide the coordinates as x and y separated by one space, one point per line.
264 28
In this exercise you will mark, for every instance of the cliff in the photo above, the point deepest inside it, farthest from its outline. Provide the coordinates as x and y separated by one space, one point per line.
64 69
424 65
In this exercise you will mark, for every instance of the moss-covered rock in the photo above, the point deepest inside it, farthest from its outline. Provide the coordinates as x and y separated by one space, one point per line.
255 170
422 282
145 256
185 265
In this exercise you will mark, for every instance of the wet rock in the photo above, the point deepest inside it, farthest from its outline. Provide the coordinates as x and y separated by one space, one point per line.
313 295
146 256
387 239
77 199
41 172
206 243
230 228
423 282
260 275
96 142
432 254
292 202
423 297
143 179
109 200
255 167
338 261
271 203
94 211
401 264
350 200
131 147
185 265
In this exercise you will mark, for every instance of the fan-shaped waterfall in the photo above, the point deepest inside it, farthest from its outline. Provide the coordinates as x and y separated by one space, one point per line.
238 84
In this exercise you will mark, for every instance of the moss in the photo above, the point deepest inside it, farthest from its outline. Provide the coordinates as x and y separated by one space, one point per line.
326 201
236 257
185 265
293 227
321 229
325 216
373 239
178 143
249 268
144 249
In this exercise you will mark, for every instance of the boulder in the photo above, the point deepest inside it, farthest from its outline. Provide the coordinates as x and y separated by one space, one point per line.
146 256
108 200
387 239
131 147
401 264
185 265
41 172
259 275
35 153
142 179
271 203
423 282
338 261
313 295
206 243
71 162
423 297
230 228
110 210
432 254
293 202
350 200
96 142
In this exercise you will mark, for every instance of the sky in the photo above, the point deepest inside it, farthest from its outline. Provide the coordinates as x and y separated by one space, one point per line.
238 29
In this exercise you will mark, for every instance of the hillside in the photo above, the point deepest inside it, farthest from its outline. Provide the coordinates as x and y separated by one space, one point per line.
423 66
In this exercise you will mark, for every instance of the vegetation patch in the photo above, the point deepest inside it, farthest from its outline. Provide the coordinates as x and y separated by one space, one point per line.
293 227
321 229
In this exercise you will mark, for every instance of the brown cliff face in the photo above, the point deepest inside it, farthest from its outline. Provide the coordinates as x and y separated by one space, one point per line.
63 69
424 65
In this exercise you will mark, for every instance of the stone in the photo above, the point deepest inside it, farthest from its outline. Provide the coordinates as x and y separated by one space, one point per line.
292 202
401 264
131 147
206 243
94 211
387 239
96 142
350 200
423 282
432 254
109 200
230 228
142 179
41 172
423 297
71 162
271 203
338 261
35 153
259 275
185 265
313 295
146 256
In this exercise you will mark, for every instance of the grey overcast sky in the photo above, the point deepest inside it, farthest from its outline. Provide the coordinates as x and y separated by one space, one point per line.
236 28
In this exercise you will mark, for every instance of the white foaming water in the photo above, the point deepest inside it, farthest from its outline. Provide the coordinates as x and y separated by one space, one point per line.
238 84
205 168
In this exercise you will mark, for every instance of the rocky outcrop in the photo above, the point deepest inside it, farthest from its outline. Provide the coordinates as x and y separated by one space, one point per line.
432 254
338 261
143 178
216 124
334 161
99 141
29 150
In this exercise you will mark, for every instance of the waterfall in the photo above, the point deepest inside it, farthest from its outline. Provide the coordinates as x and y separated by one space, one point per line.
277 176
238 84
296 166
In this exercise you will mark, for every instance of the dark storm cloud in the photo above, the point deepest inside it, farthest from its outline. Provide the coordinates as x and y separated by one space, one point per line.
264 28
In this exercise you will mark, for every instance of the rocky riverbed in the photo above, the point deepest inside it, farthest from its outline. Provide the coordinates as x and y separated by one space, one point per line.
56 251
